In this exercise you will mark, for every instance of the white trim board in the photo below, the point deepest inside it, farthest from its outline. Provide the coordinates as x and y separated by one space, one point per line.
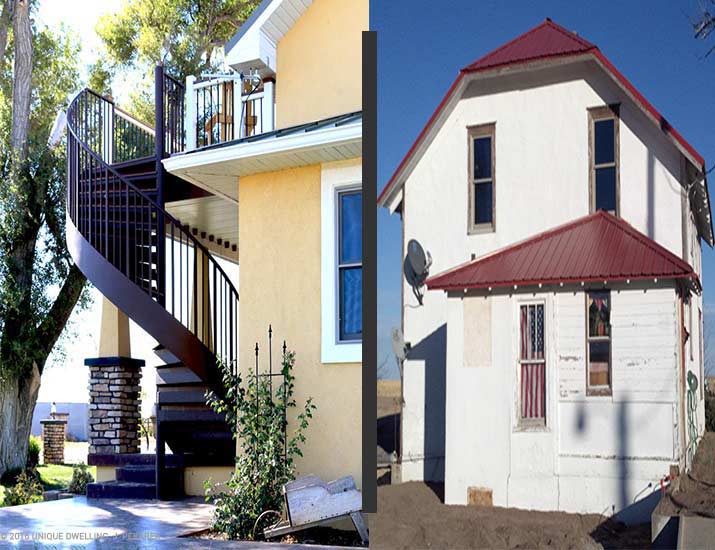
263 150
333 177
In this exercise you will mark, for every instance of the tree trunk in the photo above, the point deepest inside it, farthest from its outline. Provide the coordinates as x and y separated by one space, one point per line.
22 80
17 403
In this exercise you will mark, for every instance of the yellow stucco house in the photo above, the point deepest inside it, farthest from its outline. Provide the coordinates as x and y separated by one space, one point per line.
257 167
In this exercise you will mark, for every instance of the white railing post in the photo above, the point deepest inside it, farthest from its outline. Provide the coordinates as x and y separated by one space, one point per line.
108 131
268 123
237 108
190 114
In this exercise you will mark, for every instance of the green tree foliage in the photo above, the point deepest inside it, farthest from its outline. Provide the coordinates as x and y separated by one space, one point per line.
257 411
182 35
39 284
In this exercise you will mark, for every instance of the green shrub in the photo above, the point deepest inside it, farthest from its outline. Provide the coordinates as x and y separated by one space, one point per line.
267 457
80 478
710 413
33 452
27 490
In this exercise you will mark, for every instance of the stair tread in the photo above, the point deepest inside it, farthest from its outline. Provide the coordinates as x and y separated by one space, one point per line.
115 483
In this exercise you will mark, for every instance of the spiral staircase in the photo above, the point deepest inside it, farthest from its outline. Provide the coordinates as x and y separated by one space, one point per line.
157 272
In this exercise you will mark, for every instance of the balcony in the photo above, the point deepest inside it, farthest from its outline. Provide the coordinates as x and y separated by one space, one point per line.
224 109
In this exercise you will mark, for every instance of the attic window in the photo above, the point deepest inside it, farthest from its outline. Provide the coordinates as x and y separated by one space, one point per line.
604 178
482 178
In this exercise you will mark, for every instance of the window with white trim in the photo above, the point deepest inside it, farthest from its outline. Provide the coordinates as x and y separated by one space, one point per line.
532 364
598 342
341 262
349 265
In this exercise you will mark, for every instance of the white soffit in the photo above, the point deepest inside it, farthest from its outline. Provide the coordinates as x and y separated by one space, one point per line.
254 46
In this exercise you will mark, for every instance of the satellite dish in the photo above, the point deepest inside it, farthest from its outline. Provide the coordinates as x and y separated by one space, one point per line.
398 345
416 267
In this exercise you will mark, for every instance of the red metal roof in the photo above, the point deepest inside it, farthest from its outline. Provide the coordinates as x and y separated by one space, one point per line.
597 247
547 40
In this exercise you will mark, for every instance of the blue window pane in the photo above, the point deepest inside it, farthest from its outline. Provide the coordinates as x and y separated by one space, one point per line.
606 189
483 202
605 142
350 227
482 158
351 303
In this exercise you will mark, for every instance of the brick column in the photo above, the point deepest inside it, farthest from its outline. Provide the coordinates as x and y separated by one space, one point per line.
53 441
114 405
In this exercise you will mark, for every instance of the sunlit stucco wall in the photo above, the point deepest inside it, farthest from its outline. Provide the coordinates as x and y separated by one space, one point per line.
280 224
319 63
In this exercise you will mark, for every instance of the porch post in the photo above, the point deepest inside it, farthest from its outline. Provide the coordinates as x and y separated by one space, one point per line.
114 388
268 123
190 114
200 319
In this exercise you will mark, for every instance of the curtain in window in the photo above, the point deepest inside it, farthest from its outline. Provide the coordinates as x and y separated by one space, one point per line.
533 365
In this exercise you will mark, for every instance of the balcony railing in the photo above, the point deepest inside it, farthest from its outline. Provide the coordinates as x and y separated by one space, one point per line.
216 111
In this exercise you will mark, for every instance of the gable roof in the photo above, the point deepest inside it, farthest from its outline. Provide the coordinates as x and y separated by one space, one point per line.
547 41
596 248
543 41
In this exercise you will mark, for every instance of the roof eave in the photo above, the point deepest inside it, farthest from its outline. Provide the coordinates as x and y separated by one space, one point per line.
691 278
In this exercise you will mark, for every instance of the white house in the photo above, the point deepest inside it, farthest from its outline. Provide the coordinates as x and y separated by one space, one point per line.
552 361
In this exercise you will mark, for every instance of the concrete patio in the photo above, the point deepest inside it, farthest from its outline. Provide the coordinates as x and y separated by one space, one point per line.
108 523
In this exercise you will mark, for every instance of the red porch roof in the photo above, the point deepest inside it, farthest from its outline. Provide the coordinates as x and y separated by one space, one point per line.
595 248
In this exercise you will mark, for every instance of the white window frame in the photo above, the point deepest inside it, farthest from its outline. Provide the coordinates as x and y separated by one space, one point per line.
532 424
335 178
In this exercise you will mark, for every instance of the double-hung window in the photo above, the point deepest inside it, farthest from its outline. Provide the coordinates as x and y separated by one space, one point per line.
482 178
532 364
598 342
604 176
349 265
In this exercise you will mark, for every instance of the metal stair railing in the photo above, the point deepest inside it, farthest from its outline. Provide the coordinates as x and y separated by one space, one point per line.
130 229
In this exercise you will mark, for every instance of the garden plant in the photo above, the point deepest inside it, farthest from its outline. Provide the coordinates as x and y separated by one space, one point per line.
256 411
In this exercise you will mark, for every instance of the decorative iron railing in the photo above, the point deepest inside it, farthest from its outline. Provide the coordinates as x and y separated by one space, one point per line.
172 107
128 226
219 111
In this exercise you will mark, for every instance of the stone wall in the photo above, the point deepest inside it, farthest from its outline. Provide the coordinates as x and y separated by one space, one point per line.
53 441
114 405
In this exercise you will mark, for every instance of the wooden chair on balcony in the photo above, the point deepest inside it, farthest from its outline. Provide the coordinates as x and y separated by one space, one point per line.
225 118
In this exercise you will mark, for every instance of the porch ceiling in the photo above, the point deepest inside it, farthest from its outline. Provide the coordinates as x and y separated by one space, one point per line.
214 220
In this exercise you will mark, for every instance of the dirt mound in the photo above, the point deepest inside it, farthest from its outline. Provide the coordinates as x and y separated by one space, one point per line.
412 516
693 494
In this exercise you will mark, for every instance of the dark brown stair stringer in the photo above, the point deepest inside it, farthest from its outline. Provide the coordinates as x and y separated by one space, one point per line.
134 302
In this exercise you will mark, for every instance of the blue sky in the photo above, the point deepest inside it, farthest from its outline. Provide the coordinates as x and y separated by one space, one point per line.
423 43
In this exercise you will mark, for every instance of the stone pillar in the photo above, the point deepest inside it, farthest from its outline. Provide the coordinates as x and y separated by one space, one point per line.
61 416
114 405
114 388
53 441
